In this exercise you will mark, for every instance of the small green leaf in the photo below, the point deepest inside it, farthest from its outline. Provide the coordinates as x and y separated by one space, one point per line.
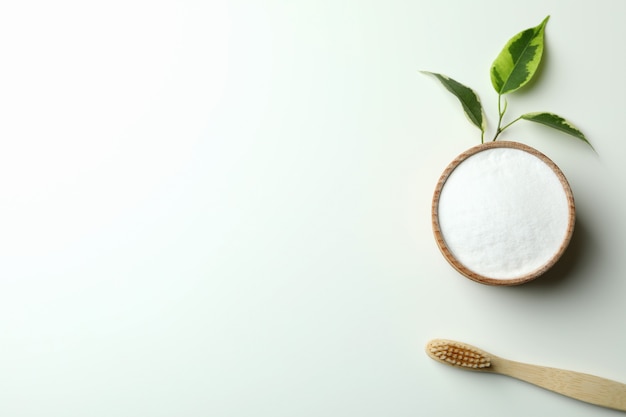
519 60
556 122
468 98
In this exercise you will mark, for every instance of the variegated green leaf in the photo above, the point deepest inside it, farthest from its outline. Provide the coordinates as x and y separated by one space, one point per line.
519 60
556 122
468 98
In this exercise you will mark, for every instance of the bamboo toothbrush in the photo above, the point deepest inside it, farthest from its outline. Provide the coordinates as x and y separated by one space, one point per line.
583 387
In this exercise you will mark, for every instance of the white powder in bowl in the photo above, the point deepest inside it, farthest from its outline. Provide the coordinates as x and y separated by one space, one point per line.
503 213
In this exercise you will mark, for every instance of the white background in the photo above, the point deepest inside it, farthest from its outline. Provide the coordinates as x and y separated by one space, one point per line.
222 208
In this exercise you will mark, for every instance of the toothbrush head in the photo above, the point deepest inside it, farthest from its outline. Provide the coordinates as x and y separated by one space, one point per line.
458 354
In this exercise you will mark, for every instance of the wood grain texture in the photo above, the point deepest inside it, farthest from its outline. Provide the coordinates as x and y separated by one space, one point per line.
440 240
584 387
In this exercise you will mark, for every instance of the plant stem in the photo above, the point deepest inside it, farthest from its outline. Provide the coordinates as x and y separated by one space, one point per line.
501 112
506 127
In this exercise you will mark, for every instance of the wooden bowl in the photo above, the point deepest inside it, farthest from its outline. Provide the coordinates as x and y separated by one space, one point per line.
502 213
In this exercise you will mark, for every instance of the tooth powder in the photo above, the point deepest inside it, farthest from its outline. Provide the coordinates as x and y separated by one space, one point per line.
505 212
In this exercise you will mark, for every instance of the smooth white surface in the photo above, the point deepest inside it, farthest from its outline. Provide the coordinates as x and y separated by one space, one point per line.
222 208
503 213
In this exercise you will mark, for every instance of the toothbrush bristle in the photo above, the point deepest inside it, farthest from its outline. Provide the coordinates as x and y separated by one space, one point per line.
458 354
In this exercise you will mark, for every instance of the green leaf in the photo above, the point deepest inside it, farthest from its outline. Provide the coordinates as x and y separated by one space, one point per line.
556 122
468 98
519 60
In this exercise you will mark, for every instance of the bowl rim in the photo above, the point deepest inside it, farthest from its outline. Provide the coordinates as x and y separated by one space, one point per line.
447 253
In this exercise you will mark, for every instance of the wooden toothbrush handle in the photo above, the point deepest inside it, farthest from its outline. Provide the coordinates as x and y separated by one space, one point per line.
584 387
